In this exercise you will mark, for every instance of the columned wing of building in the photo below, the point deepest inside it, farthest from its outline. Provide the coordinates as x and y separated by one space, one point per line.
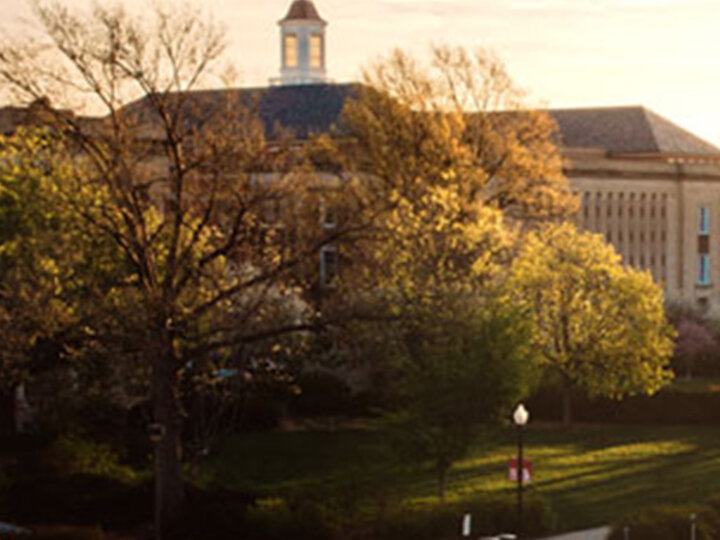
653 191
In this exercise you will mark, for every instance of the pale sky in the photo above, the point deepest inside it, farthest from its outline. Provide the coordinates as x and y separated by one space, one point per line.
663 54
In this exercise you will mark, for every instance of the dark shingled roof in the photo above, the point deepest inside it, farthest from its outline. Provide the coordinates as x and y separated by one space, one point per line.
302 10
627 130
305 109
302 109
315 108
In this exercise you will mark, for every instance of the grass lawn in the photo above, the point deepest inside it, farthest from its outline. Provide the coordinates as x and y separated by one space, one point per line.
592 475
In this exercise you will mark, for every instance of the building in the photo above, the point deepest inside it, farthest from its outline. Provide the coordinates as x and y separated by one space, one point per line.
653 190
650 187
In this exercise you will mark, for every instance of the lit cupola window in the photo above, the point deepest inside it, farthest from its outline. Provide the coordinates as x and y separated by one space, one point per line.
291 51
316 51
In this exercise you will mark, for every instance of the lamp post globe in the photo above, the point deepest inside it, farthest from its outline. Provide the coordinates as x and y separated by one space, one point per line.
520 417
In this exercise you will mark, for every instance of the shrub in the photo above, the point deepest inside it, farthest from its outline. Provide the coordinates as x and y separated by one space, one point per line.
490 515
215 514
274 520
80 500
667 407
324 394
72 454
665 523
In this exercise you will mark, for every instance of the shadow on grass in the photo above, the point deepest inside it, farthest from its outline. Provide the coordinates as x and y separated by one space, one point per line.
592 475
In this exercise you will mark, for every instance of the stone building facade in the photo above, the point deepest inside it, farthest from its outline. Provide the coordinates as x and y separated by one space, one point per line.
653 191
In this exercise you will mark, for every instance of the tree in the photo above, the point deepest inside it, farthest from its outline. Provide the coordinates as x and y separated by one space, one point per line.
460 362
40 278
694 342
600 326
171 182
460 120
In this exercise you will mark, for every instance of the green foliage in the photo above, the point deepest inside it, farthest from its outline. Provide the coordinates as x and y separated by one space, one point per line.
491 515
694 402
600 326
590 475
274 520
462 362
72 454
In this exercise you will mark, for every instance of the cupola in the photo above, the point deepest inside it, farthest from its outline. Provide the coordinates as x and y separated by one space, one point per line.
302 45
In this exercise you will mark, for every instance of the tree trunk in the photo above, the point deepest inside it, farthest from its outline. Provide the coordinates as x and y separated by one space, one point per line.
442 469
169 493
566 405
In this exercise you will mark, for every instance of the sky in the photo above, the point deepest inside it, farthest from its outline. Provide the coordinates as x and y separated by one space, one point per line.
663 54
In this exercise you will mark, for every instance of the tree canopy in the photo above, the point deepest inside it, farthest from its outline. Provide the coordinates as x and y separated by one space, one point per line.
461 120
599 325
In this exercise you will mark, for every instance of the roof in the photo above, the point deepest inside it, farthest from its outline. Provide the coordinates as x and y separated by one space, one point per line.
303 109
302 10
627 130
315 108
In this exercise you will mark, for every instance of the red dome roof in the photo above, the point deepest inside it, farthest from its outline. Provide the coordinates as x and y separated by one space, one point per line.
302 10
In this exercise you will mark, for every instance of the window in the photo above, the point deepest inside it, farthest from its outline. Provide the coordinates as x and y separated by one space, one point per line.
328 265
291 51
316 51
704 220
653 202
703 269
270 211
328 219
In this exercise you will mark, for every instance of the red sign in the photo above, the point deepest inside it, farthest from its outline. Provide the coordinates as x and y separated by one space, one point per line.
527 471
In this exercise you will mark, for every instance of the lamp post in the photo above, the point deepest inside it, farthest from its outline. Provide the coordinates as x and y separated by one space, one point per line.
520 417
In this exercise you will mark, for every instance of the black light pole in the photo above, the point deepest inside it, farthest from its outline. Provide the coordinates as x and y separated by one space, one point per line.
520 417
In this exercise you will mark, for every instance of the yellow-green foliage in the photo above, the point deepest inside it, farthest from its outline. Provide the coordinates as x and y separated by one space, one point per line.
599 324
74 455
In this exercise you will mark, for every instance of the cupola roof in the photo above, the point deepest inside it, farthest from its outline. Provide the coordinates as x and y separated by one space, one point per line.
302 10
